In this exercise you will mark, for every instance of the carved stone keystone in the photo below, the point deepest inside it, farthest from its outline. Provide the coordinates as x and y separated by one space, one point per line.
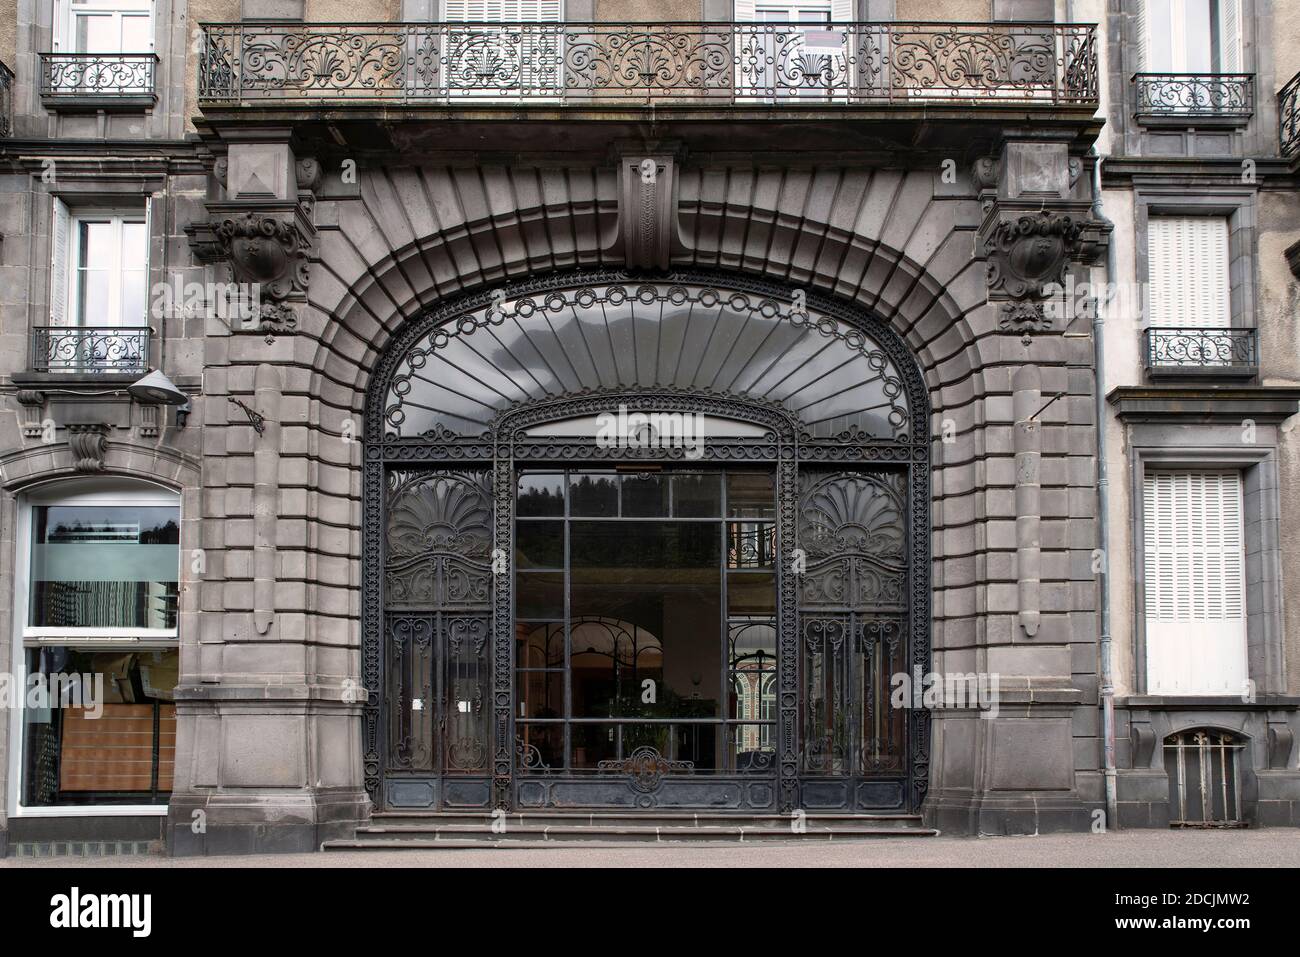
89 445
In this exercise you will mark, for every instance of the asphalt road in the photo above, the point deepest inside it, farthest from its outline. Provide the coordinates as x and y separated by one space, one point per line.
1154 848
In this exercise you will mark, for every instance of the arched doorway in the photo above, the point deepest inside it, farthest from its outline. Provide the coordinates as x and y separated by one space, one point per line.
641 542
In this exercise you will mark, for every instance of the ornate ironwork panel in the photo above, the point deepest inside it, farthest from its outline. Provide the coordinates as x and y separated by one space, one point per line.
120 349
436 587
6 101
854 533
1201 351
1192 94
468 682
503 627
439 540
849 542
412 684
1288 116
1055 64
97 74
613 335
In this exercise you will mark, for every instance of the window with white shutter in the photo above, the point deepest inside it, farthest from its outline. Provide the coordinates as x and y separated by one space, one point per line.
59 263
497 62
1195 582
501 11
1187 263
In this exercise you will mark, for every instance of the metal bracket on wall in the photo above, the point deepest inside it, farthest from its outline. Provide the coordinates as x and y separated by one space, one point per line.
1043 408
255 418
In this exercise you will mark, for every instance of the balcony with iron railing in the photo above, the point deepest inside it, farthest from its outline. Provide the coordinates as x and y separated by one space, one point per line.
699 64
1225 98
90 350
100 80
1224 352
1288 117
6 101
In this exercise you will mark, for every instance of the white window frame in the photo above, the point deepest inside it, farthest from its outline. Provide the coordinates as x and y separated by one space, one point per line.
117 218
65 34
126 492
1229 52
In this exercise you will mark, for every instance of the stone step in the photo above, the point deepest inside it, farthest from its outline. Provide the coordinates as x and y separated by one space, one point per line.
449 835
397 819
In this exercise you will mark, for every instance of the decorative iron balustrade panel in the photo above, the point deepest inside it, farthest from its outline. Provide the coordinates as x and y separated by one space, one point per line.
90 349
1190 94
1201 350
577 62
1288 116
97 74
6 101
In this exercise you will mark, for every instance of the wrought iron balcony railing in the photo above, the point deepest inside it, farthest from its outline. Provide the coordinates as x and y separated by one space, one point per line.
1012 63
1188 351
88 349
1288 116
6 101
73 75
1192 94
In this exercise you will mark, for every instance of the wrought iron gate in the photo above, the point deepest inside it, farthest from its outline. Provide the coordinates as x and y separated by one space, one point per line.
437 628
830 402
852 599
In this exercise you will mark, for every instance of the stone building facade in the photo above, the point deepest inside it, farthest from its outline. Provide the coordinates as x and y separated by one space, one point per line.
411 192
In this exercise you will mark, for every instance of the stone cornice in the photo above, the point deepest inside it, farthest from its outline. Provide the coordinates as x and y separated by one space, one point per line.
1190 404
1121 171
83 158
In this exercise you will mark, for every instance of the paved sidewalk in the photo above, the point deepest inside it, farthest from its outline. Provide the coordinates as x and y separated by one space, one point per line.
1155 848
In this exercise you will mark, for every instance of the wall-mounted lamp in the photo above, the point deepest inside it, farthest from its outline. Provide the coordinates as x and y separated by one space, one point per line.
160 390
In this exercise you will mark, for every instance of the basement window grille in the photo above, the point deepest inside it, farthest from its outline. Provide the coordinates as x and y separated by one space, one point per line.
1204 778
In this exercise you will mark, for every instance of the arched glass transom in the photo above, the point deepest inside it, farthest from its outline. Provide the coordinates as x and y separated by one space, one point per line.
462 374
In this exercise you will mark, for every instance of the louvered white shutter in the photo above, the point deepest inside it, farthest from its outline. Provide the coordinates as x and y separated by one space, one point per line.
1195 583
61 25
148 261
60 279
536 52
497 11
1230 39
1142 35
1187 258
742 11
843 11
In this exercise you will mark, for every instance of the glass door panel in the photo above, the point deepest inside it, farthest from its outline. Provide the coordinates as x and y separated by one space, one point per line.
651 648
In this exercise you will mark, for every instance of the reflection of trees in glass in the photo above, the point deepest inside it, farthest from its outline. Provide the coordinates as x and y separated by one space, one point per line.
541 501
67 588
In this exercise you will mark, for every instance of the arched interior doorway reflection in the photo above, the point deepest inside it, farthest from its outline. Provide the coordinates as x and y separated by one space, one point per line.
635 543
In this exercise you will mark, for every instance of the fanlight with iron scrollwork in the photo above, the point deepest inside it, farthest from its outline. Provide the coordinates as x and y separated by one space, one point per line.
669 337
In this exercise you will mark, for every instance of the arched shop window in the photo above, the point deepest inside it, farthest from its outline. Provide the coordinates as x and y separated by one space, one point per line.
96 651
